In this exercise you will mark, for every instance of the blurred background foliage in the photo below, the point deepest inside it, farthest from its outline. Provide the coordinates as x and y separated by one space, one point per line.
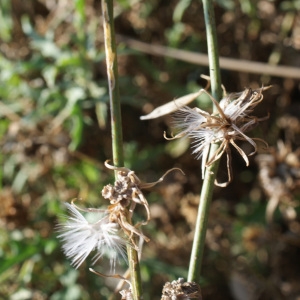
55 136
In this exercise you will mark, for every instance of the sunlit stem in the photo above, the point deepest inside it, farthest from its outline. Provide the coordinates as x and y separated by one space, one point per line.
210 173
113 82
116 126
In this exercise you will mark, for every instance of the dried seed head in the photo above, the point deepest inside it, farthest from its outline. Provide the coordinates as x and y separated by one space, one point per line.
280 179
225 127
119 191
108 191
178 289
121 187
123 196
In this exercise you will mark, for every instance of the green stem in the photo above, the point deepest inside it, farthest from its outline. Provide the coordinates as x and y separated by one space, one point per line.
116 126
135 274
113 82
212 49
210 174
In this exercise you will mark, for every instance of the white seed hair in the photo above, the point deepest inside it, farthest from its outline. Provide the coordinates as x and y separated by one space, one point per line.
81 237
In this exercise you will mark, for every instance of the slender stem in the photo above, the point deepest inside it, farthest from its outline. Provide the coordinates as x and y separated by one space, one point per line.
135 273
201 222
212 49
113 82
210 174
116 126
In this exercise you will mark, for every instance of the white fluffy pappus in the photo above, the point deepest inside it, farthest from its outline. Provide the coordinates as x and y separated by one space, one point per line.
80 237
193 123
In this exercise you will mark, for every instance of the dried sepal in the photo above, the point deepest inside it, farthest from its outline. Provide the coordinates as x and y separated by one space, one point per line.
176 104
172 106
125 293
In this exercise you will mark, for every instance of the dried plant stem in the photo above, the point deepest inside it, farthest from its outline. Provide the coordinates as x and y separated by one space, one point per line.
116 125
210 174
231 64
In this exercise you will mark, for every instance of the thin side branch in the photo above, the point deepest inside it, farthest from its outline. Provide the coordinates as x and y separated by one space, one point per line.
238 65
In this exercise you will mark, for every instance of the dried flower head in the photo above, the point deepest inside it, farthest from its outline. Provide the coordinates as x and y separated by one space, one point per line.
82 235
280 179
228 125
123 196
178 289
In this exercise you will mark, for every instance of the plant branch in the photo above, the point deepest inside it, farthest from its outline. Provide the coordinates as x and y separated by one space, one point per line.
210 173
232 64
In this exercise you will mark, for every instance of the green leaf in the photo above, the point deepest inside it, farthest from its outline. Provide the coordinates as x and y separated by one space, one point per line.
80 5
25 273
21 294
49 74
67 59
20 180
77 128
101 112
177 147
5 21
74 94
180 8
27 252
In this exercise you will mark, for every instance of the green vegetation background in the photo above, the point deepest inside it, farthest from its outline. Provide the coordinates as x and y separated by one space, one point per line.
55 136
